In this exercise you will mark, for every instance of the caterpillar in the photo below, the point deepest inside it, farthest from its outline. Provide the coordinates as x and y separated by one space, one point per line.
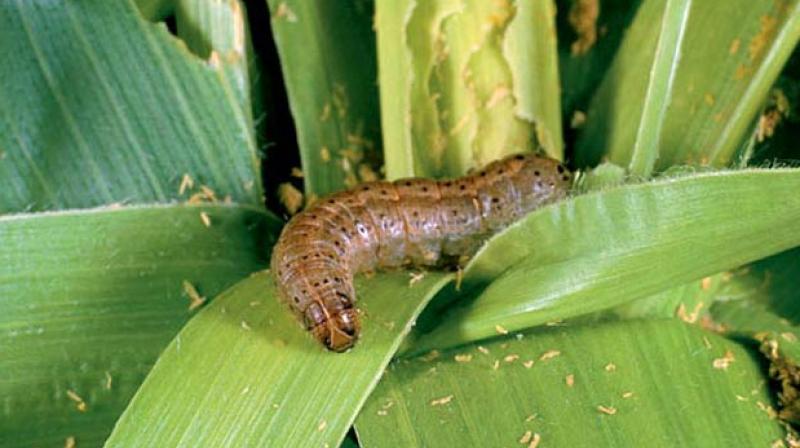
416 222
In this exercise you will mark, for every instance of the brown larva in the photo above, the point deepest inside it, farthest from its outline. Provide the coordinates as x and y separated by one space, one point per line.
418 222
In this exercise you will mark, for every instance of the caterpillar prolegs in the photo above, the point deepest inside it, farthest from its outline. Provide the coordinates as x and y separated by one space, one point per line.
418 222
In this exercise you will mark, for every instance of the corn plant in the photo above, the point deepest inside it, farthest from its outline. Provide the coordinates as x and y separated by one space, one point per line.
150 152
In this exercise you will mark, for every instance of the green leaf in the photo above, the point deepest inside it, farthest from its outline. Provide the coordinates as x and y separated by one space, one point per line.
779 147
768 285
605 175
689 301
748 300
88 299
771 282
464 83
101 106
602 249
391 20
708 112
581 73
244 373
154 9
530 48
327 57
656 380
743 304
218 31
659 86
752 320
778 341
762 298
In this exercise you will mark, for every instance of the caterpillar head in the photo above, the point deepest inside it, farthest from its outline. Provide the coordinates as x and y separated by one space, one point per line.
337 332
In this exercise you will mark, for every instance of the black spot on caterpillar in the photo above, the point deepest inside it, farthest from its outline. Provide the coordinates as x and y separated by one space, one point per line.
418 222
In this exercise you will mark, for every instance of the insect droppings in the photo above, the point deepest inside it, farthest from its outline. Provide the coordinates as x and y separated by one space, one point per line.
608 410
80 405
550 354
441 401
